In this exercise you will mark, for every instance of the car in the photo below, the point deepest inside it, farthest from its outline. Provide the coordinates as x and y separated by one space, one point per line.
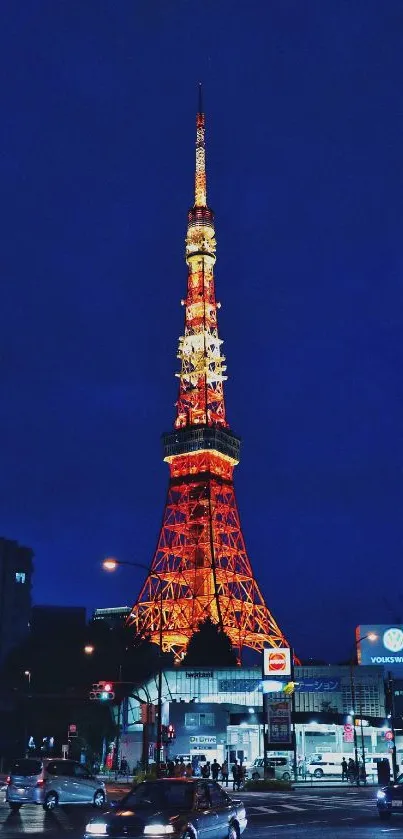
326 763
176 807
51 782
278 767
389 799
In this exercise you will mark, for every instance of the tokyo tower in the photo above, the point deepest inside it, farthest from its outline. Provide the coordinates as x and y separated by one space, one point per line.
201 567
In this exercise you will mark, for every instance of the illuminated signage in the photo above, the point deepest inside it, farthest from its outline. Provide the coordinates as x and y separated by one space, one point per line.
277 661
384 649
201 674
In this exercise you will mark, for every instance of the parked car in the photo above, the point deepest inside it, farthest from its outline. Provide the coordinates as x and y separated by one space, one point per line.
52 782
181 808
390 799
279 767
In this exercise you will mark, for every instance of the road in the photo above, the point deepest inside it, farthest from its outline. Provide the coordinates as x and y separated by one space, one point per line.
298 814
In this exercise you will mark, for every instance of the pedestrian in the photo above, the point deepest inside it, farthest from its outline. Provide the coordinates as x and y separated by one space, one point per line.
235 773
351 770
189 770
206 771
241 775
344 770
170 769
224 773
182 769
177 769
215 768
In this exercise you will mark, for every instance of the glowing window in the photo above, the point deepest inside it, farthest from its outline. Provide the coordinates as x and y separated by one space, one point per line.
20 576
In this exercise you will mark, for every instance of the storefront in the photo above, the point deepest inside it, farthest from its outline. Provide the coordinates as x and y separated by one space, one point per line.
218 713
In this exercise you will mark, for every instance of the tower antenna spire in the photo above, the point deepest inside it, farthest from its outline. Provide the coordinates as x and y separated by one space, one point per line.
200 175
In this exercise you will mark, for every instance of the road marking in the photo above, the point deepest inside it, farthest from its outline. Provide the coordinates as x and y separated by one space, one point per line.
265 810
292 807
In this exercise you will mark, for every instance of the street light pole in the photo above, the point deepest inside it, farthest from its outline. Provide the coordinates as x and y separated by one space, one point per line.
352 686
371 637
391 711
111 564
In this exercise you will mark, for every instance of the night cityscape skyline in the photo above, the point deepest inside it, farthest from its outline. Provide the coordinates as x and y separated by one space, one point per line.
305 178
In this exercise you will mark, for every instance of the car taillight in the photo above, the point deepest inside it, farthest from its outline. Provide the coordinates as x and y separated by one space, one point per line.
40 782
8 779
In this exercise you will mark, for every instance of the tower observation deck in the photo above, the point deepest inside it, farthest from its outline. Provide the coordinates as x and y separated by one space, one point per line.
201 567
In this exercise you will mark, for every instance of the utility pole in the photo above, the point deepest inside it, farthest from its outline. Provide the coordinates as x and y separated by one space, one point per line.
391 711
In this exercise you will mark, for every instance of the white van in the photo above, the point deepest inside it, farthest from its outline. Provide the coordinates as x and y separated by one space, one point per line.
326 763
281 766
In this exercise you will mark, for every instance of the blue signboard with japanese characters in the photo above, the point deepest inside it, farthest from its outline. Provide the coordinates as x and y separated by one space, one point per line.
318 685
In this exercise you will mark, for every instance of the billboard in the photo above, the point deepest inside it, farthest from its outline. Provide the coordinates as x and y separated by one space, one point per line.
277 661
386 649
279 734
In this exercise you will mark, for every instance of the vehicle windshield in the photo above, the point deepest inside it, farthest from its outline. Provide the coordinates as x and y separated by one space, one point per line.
26 767
160 796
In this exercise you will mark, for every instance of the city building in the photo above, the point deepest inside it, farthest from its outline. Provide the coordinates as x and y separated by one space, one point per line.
218 712
201 566
59 620
113 616
16 569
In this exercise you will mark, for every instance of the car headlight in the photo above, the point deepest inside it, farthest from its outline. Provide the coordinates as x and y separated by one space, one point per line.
381 795
158 829
96 828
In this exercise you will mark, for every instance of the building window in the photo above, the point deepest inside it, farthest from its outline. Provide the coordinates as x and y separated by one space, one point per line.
20 576
199 720
207 720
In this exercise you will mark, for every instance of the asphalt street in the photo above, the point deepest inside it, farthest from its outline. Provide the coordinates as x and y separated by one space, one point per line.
306 814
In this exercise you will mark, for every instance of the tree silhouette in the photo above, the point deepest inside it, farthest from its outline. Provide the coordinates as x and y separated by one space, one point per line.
209 646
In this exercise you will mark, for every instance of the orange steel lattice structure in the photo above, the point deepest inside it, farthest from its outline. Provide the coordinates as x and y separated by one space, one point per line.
201 568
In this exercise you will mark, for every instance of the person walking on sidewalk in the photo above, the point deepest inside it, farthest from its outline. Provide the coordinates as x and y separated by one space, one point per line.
235 775
224 773
215 768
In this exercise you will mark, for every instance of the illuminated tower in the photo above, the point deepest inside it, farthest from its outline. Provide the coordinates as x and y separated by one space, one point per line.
200 567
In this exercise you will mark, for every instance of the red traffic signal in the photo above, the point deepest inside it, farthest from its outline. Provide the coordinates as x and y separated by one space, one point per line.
102 691
171 732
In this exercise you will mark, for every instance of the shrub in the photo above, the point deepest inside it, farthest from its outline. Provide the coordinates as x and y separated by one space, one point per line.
267 784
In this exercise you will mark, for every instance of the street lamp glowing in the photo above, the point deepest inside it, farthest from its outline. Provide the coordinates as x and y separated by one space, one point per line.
372 637
110 564
89 649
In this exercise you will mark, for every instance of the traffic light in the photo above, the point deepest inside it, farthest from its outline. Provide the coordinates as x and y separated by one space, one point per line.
103 691
171 732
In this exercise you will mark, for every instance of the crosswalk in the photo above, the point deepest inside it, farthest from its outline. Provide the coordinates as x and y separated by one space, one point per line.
262 806
31 819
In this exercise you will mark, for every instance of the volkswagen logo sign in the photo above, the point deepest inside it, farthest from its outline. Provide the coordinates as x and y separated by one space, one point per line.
393 639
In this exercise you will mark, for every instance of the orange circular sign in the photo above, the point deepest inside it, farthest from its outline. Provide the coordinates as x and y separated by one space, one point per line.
277 662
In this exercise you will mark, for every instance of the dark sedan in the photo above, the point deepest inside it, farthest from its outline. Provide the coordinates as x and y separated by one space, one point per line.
182 809
390 799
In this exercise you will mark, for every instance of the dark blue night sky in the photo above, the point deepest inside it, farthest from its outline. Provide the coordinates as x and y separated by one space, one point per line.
305 174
